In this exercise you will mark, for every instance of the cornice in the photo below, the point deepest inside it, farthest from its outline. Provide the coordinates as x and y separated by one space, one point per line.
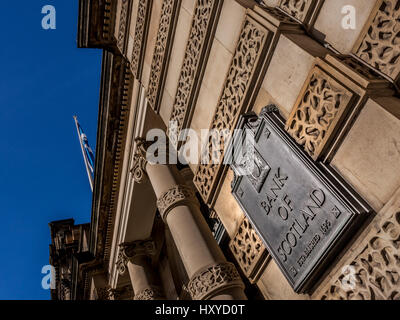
116 85
96 23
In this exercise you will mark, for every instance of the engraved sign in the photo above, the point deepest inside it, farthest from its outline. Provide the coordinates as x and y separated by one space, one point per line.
302 210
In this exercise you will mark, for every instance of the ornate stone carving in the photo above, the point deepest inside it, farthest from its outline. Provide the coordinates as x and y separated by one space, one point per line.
361 69
297 8
380 42
207 282
152 293
123 25
177 196
102 293
249 251
278 14
137 248
161 51
141 29
232 101
121 293
139 160
129 250
196 54
376 268
318 109
122 262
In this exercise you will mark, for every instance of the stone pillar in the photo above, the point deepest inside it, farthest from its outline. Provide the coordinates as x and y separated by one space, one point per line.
136 257
211 276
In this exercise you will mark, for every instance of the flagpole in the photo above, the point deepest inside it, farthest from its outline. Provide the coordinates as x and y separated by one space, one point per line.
83 154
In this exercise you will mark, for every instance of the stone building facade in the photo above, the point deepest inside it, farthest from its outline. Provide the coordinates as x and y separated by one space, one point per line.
176 231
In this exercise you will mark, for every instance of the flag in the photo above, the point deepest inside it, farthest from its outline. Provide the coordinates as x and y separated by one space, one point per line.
87 152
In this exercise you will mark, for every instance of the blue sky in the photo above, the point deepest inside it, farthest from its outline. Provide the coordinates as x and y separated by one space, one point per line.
45 80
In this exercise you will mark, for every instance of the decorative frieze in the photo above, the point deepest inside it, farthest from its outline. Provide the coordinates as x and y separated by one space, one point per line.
375 272
197 49
141 31
162 49
379 43
124 26
177 196
249 251
208 281
236 92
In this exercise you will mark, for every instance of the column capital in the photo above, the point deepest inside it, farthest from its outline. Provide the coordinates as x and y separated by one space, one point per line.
151 293
128 251
212 279
120 293
178 195
139 160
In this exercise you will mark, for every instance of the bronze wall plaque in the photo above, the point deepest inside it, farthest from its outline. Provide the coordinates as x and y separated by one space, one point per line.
302 210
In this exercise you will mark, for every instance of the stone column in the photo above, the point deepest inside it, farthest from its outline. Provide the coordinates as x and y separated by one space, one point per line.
211 276
136 257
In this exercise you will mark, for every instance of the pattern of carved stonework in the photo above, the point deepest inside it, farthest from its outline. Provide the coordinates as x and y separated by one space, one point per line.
212 279
195 56
231 103
153 293
361 69
102 293
380 44
138 247
176 196
161 51
248 249
296 8
144 7
120 293
123 25
121 263
279 14
107 19
129 250
139 161
323 101
377 268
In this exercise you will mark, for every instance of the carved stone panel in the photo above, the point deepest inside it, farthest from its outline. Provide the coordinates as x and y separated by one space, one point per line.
322 104
304 11
195 60
141 30
375 272
379 44
297 8
304 212
162 49
249 251
240 79
124 25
